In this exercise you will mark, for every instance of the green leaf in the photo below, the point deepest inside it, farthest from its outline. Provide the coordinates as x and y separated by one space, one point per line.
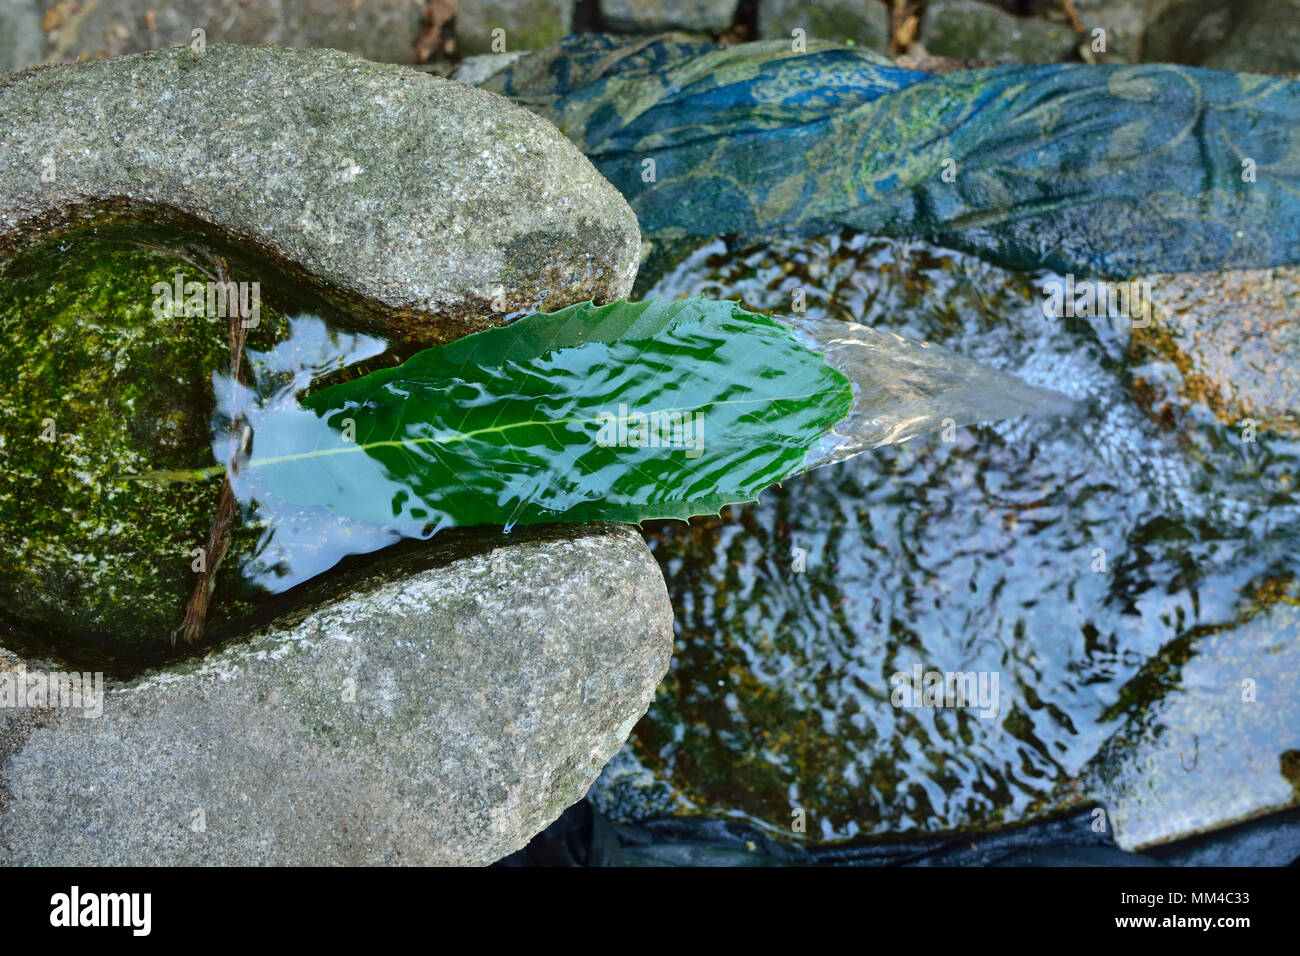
520 424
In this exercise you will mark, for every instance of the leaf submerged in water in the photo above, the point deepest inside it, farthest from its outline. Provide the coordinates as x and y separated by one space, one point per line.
623 412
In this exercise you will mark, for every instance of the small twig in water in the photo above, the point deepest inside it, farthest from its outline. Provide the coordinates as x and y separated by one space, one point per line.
178 254
223 522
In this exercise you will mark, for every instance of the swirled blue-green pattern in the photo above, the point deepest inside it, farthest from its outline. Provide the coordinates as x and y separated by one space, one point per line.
1096 170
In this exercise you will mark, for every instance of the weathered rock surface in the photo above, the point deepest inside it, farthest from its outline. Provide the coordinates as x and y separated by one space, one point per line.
20 34
863 24
656 16
970 30
434 202
1123 21
1222 743
474 70
529 25
439 707
1252 35
1225 343
383 30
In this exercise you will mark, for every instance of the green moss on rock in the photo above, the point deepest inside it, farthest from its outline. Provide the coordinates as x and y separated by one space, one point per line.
95 386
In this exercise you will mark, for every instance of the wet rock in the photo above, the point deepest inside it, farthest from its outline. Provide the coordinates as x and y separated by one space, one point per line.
1222 347
1219 745
1271 841
430 202
970 30
20 34
1251 36
95 386
526 26
383 30
863 24
472 196
656 16
440 707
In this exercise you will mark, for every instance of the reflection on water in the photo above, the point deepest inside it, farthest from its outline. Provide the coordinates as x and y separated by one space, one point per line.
295 543
903 388
1058 553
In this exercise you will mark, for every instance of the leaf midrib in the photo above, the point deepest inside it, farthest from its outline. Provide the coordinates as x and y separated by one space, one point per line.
439 440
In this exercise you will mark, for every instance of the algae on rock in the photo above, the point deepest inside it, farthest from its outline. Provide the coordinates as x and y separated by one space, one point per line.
96 385
1223 346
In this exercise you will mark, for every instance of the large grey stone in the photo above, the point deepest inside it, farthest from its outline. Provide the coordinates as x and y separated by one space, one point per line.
530 24
20 34
970 30
432 203
439 707
655 16
863 23
1122 20
383 30
1222 743
1251 36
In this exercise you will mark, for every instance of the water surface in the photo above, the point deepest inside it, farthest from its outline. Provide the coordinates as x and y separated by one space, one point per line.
1059 553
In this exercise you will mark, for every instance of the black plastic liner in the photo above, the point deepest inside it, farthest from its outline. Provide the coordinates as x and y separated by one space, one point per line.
582 836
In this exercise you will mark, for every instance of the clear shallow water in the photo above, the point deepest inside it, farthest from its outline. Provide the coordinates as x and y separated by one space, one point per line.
904 388
1060 554
294 544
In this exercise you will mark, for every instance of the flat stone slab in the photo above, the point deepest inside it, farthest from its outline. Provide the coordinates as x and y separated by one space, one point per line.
440 706
437 204
1227 342
383 30
659 16
1220 746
